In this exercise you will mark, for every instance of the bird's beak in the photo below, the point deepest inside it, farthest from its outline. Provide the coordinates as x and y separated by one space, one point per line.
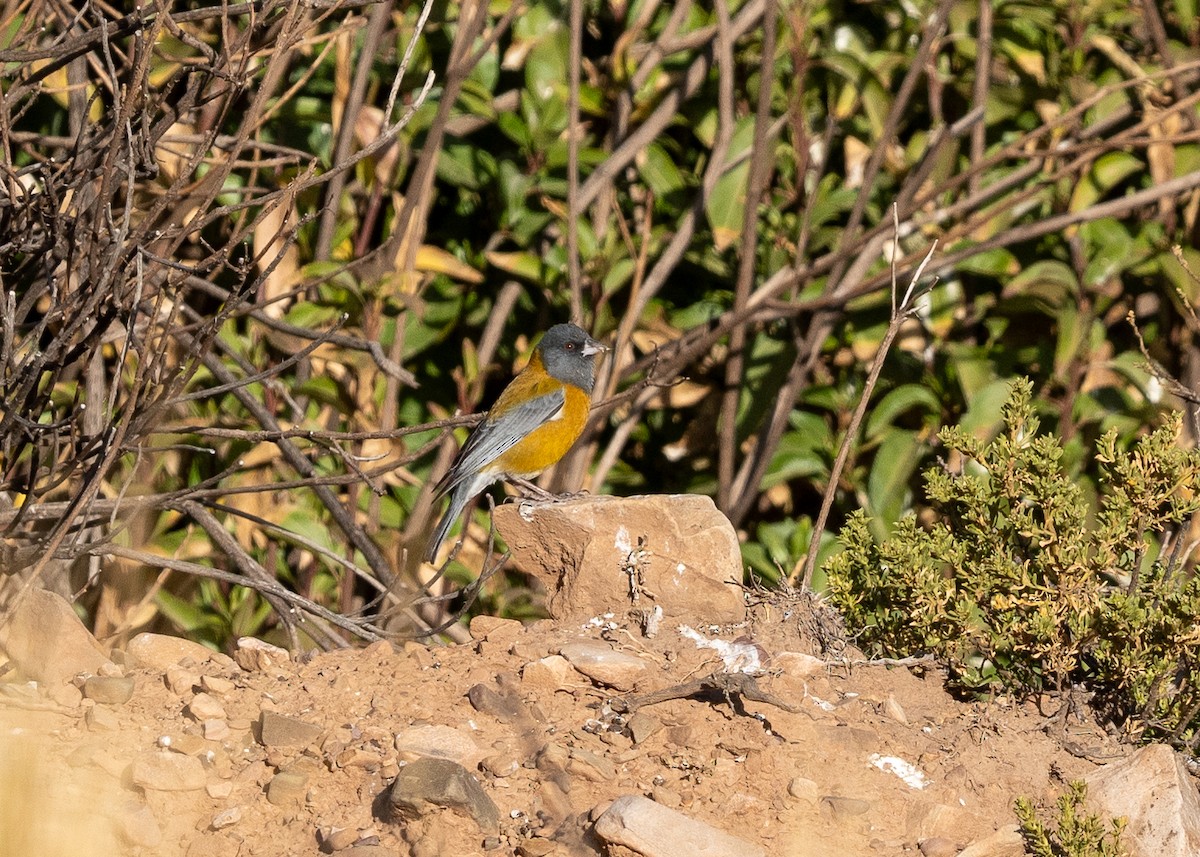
593 347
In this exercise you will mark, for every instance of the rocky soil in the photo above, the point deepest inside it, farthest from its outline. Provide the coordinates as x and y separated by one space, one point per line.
605 734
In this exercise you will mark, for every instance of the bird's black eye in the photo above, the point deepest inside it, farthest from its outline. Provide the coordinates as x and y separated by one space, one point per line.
570 346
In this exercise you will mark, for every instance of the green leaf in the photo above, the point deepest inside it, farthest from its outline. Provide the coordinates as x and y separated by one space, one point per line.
1048 281
888 492
726 207
659 171
1110 169
897 402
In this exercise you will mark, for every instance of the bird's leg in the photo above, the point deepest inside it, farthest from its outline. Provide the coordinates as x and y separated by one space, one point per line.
531 488
535 491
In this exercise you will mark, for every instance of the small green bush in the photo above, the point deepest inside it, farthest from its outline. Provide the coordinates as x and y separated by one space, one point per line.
1028 583
1074 834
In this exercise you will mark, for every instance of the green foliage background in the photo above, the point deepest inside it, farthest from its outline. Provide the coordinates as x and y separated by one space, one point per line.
737 168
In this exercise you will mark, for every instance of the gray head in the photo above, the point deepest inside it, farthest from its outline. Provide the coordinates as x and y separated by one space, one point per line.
569 355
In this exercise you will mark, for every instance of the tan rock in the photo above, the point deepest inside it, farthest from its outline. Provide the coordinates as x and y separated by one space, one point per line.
46 641
1153 790
602 554
168 772
601 662
654 830
160 651
1006 842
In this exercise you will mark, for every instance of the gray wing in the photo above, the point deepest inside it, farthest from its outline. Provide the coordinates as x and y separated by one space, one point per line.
495 436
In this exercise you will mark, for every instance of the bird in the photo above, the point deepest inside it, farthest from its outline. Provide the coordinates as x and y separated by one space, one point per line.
533 423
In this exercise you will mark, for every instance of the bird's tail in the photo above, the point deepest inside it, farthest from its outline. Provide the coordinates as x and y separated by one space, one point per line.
459 498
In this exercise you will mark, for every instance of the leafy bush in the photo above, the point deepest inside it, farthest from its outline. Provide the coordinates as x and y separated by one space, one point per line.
1074 833
1025 581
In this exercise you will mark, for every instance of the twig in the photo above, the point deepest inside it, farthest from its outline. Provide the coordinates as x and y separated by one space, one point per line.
902 310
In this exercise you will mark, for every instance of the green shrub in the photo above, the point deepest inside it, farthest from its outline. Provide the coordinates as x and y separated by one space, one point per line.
1074 834
1025 582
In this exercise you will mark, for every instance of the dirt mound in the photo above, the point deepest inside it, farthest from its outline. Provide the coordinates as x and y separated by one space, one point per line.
739 728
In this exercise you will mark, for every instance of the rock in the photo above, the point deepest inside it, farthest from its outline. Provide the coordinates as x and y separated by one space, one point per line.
505 705
205 707
111 691
549 673
338 838
600 554
1006 842
844 807
288 789
215 730
45 640
440 742
226 818
501 765
938 846
168 772
137 825
799 664
804 789
495 629
588 765
443 783
181 680
217 685
1153 791
160 652
219 790
256 656
641 726
100 720
279 730
601 662
654 830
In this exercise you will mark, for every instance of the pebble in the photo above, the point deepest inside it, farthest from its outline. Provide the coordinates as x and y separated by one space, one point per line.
220 789
844 807
226 818
168 772
654 830
442 783
549 673
601 662
181 680
100 719
215 684
256 656
495 629
160 652
597 769
288 789
216 730
279 730
205 707
641 726
802 788
938 846
137 825
111 690
338 838
441 742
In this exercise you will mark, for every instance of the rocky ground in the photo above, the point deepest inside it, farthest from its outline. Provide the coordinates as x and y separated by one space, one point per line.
618 733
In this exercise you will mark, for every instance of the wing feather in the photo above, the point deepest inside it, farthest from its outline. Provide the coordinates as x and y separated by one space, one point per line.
496 435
